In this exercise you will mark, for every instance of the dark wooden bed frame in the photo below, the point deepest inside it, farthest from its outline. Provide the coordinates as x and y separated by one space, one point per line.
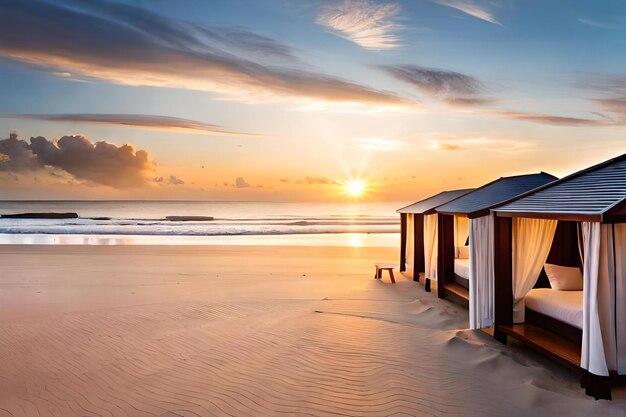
463 282
448 281
565 330
565 252
419 263
552 337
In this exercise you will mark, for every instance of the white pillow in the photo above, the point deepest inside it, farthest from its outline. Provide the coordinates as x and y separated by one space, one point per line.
463 252
564 278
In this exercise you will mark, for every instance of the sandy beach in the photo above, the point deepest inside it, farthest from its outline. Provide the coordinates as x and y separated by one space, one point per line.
252 331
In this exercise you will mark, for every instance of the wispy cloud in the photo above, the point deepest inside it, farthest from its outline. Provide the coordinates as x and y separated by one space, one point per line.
450 146
318 180
466 92
148 122
184 34
470 8
614 105
453 143
548 119
595 23
130 46
449 86
363 22
616 109
609 85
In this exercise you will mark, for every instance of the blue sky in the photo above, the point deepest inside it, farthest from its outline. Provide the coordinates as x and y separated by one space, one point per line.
297 98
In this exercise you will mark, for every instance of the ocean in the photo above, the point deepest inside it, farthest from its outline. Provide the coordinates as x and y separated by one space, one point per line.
234 223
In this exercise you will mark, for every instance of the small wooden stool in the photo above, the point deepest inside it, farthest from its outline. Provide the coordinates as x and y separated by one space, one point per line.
382 267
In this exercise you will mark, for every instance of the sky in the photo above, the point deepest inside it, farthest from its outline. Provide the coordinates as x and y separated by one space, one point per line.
298 100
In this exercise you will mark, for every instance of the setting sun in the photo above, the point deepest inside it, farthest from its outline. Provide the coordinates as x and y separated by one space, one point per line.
355 188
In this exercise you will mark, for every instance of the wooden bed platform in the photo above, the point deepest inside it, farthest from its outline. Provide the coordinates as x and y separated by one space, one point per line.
549 343
456 289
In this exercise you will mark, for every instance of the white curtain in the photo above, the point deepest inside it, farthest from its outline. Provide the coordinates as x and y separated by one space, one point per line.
461 230
531 242
430 246
481 276
619 241
595 277
410 241
604 312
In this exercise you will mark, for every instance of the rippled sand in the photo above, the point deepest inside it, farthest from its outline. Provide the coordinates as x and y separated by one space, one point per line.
252 331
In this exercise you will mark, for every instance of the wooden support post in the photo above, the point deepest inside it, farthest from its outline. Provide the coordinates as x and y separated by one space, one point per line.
599 387
418 246
503 283
445 252
403 242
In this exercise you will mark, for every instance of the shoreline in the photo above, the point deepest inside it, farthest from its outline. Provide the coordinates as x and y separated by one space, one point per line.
387 240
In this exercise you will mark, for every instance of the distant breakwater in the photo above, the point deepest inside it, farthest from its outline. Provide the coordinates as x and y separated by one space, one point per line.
75 216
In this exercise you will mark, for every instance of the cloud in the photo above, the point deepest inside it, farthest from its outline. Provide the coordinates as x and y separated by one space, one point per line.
363 22
471 9
465 91
452 143
18 155
548 119
241 183
258 46
182 33
378 144
175 180
594 23
609 85
614 105
468 101
449 86
148 122
610 95
131 46
450 147
100 163
318 180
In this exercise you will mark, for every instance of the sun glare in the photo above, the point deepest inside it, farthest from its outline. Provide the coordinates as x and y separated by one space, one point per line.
355 188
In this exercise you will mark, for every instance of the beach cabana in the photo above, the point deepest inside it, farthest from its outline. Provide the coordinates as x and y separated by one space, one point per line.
580 318
418 235
465 239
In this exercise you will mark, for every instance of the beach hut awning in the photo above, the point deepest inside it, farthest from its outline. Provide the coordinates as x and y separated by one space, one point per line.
428 205
597 193
481 200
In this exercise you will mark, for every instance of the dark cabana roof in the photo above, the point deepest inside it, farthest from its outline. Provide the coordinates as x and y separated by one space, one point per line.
478 202
430 203
593 194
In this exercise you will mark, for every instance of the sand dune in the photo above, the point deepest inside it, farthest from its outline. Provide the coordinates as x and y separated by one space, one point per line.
252 331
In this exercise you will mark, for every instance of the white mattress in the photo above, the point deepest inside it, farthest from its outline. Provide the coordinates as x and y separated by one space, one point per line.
461 267
565 306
